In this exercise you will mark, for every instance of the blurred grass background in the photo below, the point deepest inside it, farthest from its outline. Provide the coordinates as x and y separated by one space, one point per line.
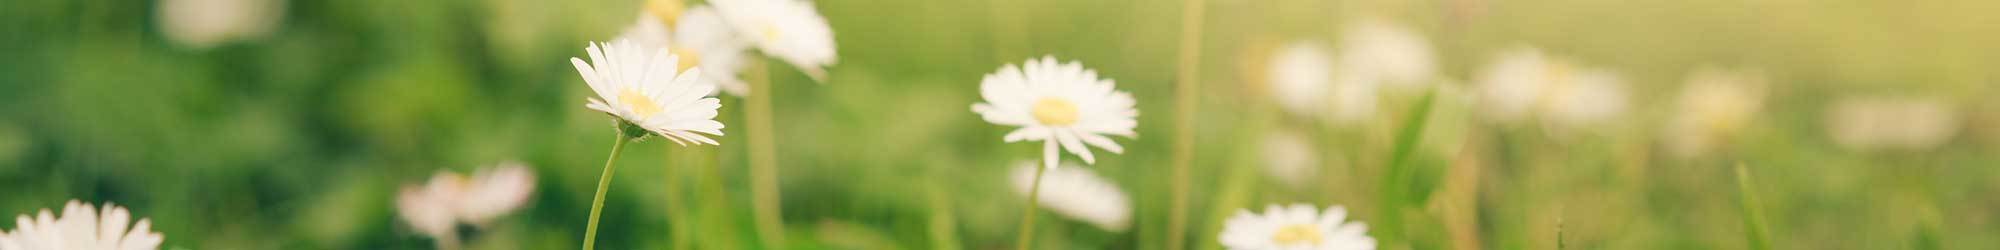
298 139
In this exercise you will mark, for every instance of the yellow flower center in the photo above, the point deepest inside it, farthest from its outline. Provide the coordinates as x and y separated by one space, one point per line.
688 58
1297 234
668 11
1054 112
770 33
637 103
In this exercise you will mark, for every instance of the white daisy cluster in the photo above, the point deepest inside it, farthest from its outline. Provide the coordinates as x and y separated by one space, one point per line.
791 30
701 38
1295 227
639 85
1714 106
1306 79
1061 104
437 207
1524 83
1891 123
81 227
202 24
1078 194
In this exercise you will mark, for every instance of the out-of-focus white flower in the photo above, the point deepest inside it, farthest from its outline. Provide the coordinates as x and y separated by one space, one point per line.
1289 158
1078 194
202 24
1295 227
790 30
1892 123
1525 83
81 227
640 85
1381 52
700 38
1300 74
1714 105
1060 104
449 199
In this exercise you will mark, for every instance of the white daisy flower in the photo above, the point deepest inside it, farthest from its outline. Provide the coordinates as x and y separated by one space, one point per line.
1060 104
1295 227
639 85
449 199
1892 123
202 24
81 227
1300 74
790 30
1289 158
1525 83
1078 194
1713 106
700 38
1380 52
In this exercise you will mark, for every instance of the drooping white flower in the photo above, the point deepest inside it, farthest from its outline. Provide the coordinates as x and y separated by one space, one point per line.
1713 106
639 85
1295 227
1289 158
202 24
1061 104
1300 75
790 30
1892 123
700 38
449 199
1380 52
1524 83
1078 194
81 227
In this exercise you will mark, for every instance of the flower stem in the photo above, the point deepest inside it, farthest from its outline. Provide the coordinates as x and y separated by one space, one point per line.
1028 213
603 184
1184 90
763 158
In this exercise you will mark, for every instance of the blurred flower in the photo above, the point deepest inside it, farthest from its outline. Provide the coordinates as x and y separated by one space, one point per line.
1299 77
1290 158
790 30
81 228
202 24
1713 106
639 85
1078 194
668 12
700 38
1059 104
1524 83
448 199
1299 226
1890 123
1379 52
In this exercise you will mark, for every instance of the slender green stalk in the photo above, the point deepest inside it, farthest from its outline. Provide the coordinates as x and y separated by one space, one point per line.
1753 214
1184 107
603 184
678 215
1397 178
1028 213
943 223
763 158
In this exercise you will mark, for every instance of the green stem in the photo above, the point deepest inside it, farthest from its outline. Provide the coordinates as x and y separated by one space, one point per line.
1028 213
1184 109
1753 214
603 184
763 158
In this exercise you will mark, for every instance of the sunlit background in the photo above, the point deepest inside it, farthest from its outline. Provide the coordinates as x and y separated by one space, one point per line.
282 124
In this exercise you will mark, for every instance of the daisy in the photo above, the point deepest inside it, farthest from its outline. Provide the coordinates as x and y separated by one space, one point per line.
1525 83
1299 75
639 86
790 30
1061 104
700 38
202 24
1380 52
1078 194
449 199
1713 106
1295 227
1289 158
1892 123
81 227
